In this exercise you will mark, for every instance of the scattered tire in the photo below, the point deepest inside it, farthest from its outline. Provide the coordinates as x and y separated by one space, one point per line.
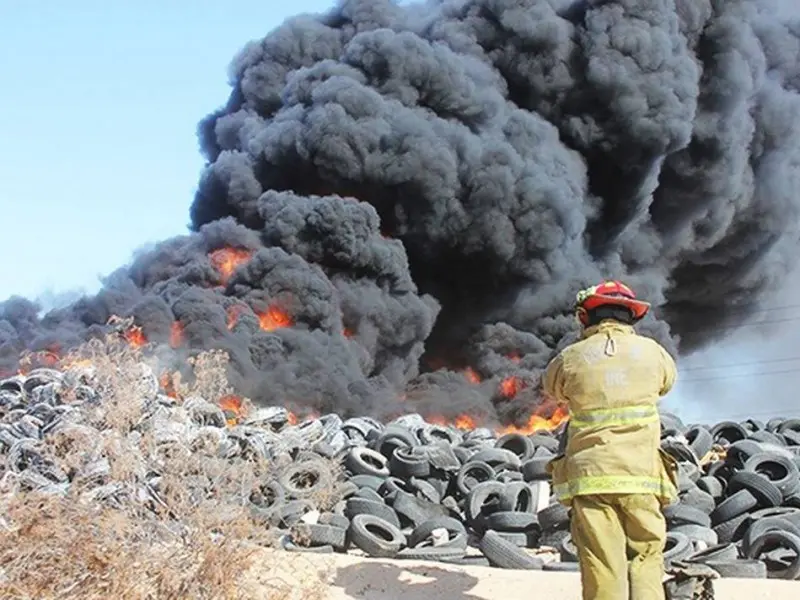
773 540
677 547
363 461
506 555
376 537
740 569
555 516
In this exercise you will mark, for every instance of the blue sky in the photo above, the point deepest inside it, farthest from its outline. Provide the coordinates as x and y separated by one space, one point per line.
100 103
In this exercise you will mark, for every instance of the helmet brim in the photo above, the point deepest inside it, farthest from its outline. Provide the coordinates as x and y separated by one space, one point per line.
638 308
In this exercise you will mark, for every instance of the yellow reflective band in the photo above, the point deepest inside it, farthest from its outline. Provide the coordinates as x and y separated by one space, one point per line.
614 484
629 415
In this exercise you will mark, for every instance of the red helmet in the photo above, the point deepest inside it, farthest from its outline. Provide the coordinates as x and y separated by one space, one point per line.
609 293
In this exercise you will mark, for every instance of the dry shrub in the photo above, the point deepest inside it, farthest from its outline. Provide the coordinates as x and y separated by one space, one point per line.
119 532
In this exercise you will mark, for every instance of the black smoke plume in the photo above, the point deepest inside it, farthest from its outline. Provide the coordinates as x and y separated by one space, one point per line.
423 189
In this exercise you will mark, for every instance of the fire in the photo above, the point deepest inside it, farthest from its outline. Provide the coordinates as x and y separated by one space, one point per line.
234 408
274 318
176 335
227 260
135 337
514 357
291 418
510 386
233 313
471 375
539 422
348 333
465 423
167 383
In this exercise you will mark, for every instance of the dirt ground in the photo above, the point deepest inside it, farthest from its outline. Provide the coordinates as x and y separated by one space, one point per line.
352 577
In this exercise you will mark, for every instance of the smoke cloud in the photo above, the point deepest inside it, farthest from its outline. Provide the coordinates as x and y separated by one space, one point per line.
396 194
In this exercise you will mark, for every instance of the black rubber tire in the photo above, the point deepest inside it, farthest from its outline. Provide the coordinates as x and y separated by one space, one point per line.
713 486
368 481
567 550
510 522
790 513
789 425
759 527
778 469
368 494
376 537
732 530
767 437
321 535
425 489
291 512
505 555
765 492
739 569
699 499
741 451
498 459
753 425
517 443
334 520
437 434
683 514
553 538
733 506
413 511
391 438
700 441
561 567
728 431
519 538
434 553
268 496
720 552
518 497
535 469
544 441
391 486
471 474
289 546
409 462
306 479
555 516
698 533
455 530
364 461
509 477
677 547
361 506
773 540
484 499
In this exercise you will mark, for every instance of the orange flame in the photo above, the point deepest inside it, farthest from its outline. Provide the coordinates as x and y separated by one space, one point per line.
233 313
510 386
471 375
348 333
135 337
176 335
514 356
227 260
234 408
274 318
291 418
465 423
539 422
167 383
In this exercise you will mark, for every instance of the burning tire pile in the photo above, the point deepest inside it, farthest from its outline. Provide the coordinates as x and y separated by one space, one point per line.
409 489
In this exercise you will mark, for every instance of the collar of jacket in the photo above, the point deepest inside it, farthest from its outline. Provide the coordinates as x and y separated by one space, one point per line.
608 326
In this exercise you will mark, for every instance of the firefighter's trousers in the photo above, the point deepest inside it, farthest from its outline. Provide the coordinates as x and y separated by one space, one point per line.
620 540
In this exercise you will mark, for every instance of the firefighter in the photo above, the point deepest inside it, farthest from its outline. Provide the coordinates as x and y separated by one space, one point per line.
613 474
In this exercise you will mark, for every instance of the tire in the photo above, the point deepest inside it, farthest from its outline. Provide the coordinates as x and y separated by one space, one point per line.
732 530
471 474
483 500
306 479
698 533
547 442
414 512
517 443
290 513
562 567
436 434
555 516
789 425
765 492
739 569
767 437
391 486
778 539
535 469
498 459
700 441
391 438
510 522
518 497
780 470
376 537
268 496
321 535
720 552
759 527
369 481
733 506
510 477
363 461
455 531
334 520
519 538
409 462
361 506
435 553
567 550
727 433
683 514
699 499
677 547
741 451
506 555
713 486
368 494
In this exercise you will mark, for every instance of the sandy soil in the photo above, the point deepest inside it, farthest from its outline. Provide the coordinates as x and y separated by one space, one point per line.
353 577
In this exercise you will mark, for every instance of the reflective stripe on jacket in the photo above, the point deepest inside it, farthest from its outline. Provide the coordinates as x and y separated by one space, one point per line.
612 381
